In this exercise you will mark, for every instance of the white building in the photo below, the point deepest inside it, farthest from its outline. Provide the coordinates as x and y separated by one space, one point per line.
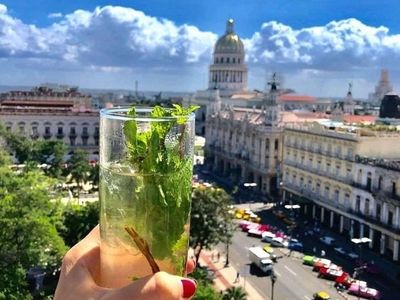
43 113
323 172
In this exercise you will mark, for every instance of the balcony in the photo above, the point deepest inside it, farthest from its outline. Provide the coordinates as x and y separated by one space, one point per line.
60 135
364 187
385 195
376 221
72 135
47 135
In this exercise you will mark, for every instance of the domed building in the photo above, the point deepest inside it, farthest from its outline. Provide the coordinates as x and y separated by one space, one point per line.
228 73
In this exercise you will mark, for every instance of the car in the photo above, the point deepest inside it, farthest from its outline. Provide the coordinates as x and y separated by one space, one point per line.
330 273
249 226
295 245
321 262
257 231
344 280
327 240
340 251
279 242
364 291
309 260
267 236
345 253
321 296
270 251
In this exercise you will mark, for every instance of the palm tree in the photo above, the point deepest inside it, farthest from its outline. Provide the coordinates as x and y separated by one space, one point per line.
234 293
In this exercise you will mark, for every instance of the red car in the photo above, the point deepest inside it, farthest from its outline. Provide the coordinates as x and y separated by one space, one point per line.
331 273
321 262
344 280
257 231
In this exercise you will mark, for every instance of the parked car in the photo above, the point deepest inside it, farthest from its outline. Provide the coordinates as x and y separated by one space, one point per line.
267 236
331 273
249 226
309 260
295 245
327 240
364 291
321 262
344 281
257 231
345 253
279 242
321 296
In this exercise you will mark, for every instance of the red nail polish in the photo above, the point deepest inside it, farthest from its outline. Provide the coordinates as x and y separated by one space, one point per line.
189 288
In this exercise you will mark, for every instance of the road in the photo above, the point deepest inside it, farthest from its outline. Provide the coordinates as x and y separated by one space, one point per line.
294 280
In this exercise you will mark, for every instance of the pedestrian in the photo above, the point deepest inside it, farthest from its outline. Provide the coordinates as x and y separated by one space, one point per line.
237 279
322 253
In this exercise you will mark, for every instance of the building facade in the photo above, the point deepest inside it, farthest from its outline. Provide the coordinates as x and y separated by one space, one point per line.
49 115
323 171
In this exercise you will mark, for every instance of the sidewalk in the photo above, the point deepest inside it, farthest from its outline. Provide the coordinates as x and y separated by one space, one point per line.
225 277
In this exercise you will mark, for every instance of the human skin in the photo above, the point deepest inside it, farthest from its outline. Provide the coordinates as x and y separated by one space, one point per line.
80 272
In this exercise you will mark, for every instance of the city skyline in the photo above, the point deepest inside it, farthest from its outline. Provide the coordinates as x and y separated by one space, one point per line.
170 49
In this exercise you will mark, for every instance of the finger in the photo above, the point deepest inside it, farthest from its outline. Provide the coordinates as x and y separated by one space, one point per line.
190 265
158 286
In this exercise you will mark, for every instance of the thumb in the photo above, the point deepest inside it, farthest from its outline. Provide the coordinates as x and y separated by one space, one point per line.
158 286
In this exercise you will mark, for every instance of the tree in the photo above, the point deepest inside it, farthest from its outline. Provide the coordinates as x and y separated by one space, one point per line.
205 290
28 229
211 218
78 221
94 176
79 168
235 293
51 153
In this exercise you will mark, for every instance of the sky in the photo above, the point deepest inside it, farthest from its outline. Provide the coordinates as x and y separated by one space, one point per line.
317 46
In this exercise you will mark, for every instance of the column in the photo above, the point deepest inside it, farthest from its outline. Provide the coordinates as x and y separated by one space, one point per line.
361 230
313 211
383 242
395 250
351 229
331 219
397 217
341 224
262 150
271 153
371 237
384 215
322 214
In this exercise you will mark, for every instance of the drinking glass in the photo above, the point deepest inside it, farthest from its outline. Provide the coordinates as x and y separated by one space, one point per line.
146 165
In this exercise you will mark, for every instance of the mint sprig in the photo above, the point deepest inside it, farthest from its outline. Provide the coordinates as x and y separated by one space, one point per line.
162 194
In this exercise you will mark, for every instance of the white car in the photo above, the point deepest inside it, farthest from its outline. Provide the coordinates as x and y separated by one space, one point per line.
279 242
327 240
267 236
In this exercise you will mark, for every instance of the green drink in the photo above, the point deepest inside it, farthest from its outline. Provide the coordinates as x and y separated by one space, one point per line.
146 164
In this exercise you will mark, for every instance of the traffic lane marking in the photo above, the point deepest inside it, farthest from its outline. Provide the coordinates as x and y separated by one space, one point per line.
290 270
277 273
308 298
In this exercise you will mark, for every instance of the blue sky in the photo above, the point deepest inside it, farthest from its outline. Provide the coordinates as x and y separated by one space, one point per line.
317 45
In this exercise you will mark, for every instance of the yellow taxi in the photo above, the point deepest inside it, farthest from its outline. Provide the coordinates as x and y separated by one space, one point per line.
321 296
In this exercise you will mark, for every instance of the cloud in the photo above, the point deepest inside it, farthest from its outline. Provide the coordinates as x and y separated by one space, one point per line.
55 15
339 45
120 40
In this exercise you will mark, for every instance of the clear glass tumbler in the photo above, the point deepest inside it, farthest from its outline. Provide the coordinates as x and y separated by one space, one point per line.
146 163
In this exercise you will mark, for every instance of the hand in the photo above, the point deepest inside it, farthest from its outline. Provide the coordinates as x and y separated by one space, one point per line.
80 272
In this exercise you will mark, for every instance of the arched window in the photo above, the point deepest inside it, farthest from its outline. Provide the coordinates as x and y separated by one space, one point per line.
222 60
227 60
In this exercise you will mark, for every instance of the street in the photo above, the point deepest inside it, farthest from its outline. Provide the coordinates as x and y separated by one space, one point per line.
294 280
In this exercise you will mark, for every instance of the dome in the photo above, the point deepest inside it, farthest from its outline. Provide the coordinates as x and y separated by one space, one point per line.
229 42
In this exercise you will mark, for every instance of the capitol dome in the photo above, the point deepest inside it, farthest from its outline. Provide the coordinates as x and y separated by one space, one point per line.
229 42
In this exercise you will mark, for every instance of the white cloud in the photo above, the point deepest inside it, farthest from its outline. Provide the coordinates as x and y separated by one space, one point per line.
118 40
55 15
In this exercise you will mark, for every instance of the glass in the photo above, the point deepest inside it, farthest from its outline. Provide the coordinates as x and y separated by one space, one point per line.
146 166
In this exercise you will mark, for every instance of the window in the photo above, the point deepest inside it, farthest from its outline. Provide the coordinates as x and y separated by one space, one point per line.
327 190
72 131
233 60
337 169
227 60
393 189
336 195
369 181
380 182
318 188
390 218
358 202
378 211
366 208
59 130
276 144
222 60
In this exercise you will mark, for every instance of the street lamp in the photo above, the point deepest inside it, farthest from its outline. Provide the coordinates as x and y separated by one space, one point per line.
273 280
357 271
